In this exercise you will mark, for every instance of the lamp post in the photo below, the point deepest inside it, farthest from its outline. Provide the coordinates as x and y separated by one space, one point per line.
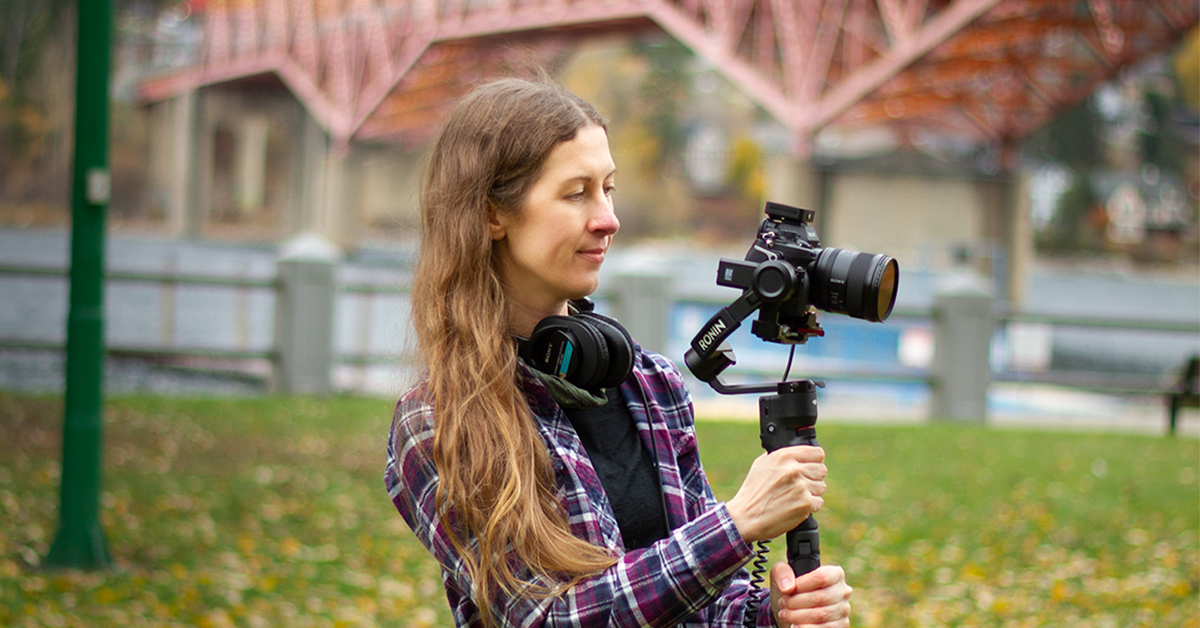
80 541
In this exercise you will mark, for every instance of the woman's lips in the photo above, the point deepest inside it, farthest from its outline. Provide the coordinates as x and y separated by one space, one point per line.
594 255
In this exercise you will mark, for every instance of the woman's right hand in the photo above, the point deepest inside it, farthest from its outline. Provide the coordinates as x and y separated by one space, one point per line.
780 491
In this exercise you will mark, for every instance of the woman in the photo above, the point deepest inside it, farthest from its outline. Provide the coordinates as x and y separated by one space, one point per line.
546 504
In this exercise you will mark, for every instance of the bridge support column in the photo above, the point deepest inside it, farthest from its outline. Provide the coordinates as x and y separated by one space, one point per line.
795 181
251 164
326 178
174 159
338 213
204 174
1005 204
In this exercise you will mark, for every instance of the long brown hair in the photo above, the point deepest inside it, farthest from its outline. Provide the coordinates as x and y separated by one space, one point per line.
496 481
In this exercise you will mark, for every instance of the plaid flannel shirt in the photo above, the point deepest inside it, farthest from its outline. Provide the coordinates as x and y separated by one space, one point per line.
695 577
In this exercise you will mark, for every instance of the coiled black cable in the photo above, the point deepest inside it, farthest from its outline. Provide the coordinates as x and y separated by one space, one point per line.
758 573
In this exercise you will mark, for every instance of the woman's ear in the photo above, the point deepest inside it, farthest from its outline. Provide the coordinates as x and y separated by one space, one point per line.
496 225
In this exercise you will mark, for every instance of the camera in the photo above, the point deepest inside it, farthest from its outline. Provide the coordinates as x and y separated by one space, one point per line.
788 271
786 277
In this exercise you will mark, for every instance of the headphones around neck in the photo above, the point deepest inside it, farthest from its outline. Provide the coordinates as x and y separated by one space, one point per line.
587 349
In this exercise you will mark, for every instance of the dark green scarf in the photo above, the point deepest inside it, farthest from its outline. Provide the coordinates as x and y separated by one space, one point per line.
568 395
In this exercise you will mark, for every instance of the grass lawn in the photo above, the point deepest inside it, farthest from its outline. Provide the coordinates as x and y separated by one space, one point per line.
272 512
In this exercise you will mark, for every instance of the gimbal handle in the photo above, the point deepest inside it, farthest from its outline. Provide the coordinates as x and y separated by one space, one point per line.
788 419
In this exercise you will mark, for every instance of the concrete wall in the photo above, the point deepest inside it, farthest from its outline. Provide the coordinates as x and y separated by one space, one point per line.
916 220
390 190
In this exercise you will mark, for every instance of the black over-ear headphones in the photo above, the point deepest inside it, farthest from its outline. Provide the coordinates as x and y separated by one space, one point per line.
587 349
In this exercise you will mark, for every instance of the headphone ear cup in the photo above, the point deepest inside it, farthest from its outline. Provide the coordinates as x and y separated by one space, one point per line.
568 348
620 349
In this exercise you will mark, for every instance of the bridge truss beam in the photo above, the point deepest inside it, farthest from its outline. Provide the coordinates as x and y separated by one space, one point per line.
992 70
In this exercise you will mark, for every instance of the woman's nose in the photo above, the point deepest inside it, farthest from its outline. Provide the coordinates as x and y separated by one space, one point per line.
605 219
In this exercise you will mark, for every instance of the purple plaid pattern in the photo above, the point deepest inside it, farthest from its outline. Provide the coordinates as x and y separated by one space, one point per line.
694 577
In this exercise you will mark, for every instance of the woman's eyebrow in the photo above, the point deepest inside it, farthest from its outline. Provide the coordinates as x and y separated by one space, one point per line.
588 177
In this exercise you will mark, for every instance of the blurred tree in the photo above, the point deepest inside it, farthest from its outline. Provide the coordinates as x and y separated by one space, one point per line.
37 62
746 173
1162 140
1071 228
37 82
618 76
1074 138
662 93
29 26
26 26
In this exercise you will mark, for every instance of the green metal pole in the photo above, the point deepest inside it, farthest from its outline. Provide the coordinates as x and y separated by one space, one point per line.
80 542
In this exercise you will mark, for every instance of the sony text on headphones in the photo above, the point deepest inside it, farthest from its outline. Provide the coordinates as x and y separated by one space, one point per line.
587 349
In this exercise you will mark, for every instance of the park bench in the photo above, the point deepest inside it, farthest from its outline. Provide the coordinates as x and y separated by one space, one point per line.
1186 393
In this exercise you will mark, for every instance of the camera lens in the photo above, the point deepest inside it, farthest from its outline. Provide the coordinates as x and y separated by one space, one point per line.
861 285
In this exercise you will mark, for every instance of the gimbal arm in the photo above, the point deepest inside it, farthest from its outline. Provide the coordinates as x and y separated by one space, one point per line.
710 353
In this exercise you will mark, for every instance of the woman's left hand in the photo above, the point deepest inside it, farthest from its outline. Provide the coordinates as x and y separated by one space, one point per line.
818 598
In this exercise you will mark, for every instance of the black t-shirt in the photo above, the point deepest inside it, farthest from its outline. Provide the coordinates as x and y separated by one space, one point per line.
625 467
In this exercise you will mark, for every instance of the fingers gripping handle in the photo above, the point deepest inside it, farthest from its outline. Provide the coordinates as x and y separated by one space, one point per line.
788 420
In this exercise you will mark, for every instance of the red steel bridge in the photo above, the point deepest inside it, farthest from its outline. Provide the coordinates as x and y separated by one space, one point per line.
990 70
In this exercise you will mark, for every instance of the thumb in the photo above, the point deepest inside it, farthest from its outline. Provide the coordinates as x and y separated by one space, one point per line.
783 578
783 582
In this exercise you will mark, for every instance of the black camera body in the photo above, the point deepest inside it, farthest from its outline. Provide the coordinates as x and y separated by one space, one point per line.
788 272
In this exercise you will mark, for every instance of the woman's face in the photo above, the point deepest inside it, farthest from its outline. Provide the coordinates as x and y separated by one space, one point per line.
551 250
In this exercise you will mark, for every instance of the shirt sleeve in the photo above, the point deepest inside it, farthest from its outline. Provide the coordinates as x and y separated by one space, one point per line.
728 610
673 404
662 585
